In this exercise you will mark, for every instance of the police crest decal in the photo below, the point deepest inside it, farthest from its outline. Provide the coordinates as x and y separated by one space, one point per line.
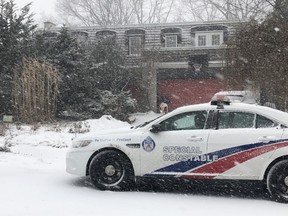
148 144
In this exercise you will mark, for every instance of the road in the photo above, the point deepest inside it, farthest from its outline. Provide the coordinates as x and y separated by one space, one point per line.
34 182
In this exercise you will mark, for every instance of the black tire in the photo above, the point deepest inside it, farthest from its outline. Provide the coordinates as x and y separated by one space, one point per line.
277 181
111 170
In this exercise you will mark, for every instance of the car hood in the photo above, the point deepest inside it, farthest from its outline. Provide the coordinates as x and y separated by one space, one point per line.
111 133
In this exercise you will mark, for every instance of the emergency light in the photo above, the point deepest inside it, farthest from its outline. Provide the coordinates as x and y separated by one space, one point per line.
220 101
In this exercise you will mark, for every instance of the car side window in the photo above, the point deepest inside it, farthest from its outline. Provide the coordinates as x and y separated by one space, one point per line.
185 121
263 122
236 119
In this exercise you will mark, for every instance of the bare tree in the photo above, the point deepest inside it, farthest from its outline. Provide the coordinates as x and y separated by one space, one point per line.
226 9
113 12
96 12
152 11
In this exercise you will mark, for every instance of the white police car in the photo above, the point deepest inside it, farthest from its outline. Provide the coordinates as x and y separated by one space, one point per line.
205 141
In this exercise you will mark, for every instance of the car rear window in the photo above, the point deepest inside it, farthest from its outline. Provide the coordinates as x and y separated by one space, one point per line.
235 120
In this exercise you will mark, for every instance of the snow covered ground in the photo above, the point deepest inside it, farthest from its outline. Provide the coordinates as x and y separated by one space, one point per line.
33 181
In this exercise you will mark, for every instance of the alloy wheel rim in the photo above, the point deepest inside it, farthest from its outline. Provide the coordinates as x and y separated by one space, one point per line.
286 181
110 170
112 173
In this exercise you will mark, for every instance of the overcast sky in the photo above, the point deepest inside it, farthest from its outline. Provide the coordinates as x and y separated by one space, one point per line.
43 9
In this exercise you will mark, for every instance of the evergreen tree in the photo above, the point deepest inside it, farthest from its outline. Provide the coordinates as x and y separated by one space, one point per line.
106 66
258 55
41 47
281 9
106 79
16 28
92 77
68 56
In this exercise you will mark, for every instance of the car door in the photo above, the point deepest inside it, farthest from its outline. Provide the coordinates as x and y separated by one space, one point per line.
242 141
168 151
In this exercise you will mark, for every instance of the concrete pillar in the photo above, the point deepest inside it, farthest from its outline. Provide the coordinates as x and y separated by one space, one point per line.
152 90
150 78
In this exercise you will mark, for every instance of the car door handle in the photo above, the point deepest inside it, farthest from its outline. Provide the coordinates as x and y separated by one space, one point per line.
267 138
194 138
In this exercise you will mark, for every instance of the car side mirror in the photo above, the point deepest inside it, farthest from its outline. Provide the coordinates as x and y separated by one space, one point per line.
156 128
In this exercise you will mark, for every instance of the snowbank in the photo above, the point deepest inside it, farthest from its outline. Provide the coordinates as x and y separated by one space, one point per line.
57 134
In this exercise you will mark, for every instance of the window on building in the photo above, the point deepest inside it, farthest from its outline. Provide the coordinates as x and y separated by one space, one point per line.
171 41
135 41
209 38
80 35
135 45
215 39
202 40
171 37
106 36
215 35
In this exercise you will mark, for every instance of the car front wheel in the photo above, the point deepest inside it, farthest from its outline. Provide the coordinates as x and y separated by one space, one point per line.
277 181
110 170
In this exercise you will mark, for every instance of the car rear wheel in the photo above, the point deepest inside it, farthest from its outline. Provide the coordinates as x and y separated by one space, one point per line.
111 170
277 181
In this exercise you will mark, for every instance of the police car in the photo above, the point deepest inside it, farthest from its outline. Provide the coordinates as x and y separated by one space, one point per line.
219 140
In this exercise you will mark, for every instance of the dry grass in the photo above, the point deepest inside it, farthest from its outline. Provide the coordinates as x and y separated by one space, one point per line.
35 91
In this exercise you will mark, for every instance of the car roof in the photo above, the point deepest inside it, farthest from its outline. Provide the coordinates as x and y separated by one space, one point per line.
268 112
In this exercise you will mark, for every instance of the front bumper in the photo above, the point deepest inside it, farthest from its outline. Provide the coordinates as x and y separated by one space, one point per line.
76 161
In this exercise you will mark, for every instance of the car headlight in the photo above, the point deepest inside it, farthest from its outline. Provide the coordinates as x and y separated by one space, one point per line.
81 143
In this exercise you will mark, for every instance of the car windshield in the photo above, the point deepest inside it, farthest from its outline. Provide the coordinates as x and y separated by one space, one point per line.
147 122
